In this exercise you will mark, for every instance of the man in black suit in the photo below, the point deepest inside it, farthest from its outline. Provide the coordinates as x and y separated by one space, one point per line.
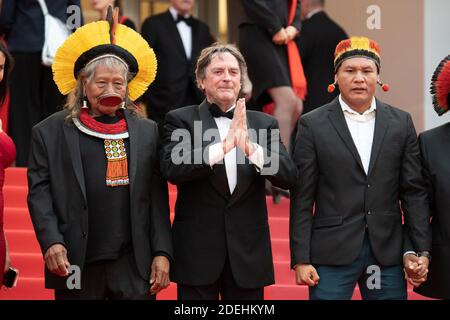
177 39
220 231
436 167
316 43
357 159
96 197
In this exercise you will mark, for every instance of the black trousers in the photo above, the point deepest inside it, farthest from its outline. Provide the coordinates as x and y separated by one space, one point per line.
110 280
225 286
34 97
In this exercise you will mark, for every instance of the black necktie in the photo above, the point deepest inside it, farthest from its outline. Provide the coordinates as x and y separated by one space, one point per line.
216 112
188 20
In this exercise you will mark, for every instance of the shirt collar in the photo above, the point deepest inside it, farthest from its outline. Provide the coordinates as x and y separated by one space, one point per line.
346 107
313 12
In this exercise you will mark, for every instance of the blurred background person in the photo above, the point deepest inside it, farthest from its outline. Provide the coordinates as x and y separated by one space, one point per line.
317 42
434 145
177 39
263 34
7 155
33 94
101 6
4 85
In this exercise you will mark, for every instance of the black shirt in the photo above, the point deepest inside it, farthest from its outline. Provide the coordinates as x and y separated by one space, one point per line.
108 207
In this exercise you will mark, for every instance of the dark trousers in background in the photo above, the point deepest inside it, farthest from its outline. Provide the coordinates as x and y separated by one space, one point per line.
110 280
34 96
338 282
225 286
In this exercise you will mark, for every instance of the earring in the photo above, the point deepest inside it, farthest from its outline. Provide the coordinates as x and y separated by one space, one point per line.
123 105
85 106
331 87
384 86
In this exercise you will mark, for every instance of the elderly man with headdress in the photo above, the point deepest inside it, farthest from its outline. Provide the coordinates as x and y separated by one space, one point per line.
359 173
436 168
96 197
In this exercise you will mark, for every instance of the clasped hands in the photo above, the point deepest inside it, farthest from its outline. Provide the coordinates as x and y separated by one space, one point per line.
238 133
415 269
285 35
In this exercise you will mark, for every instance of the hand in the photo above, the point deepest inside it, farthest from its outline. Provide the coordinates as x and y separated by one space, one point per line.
56 260
306 274
243 141
159 274
231 139
280 37
416 269
291 33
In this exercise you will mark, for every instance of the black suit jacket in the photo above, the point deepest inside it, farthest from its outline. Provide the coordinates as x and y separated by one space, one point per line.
346 200
317 43
57 192
436 166
175 79
210 223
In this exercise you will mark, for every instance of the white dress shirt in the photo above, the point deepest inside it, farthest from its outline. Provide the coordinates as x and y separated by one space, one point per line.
216 153
362 127
185 32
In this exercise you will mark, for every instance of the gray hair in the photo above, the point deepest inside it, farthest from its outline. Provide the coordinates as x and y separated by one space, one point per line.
207 54
76 97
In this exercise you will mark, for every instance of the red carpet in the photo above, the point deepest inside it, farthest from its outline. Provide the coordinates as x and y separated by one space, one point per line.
26 256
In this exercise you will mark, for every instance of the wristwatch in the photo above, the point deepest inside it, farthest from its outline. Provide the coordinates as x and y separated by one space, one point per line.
424 254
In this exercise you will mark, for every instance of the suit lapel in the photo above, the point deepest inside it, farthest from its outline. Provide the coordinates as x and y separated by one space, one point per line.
72 136
381 125
337 119
173 33
133 155
219 178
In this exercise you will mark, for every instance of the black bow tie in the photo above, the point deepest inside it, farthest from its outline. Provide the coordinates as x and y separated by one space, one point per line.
188 20
216 112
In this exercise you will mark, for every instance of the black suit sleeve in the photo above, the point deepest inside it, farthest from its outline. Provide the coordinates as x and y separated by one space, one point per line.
40 202
182 161
297 22
161 237
278 166
413 195
302 194
260 13
7 15
426 173
305 42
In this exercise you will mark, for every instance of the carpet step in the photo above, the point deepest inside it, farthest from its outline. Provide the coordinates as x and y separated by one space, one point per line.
30 265
283 273
280 250
16 176
28 289
15 196
22 241
17 218
279 227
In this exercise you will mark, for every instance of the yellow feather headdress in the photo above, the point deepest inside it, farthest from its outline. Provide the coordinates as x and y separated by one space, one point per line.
99 38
